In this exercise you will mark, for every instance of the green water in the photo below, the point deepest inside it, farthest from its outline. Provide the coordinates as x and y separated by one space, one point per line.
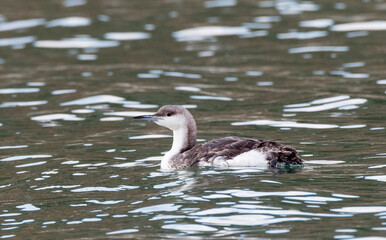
86 169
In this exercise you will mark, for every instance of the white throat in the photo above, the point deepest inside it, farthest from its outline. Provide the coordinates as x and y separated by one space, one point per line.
180 139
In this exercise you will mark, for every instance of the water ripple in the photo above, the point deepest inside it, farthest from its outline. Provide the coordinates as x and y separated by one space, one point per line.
22 104
69 22
94 100
108 202
18 41
360 26
327 106
21 24
104 189
126 36
285 124
168 207
317 23
28 207
247 220
23 157
220 3
311 49
201 33
189 228
18 90
75 43
211 98
56 116
302 35
123 231
360 209
380 178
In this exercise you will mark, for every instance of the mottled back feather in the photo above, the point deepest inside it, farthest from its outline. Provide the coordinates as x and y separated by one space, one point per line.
229 147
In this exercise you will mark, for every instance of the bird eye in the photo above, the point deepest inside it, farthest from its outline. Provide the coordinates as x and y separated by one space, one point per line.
169 114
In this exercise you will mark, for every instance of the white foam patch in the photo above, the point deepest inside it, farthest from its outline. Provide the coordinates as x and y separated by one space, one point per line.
302 35
353 126
211 98
181 74
201 33
324 162
56 187
36 84
83 111
354 64
87 57
21 24
9 214
267 19
147 75
18 90
328 105
380 178
247 220
126 36
381 81
315 199
123 231
31 164
69 22
22 104
285 124
189 227
312 49
187 88
56 116
295 7
63 91
74 3
360 26
317 23
140 106
95 100
125 165
75 43
151 136
28 207
330 99
104 189
111 119
16 41
13 147
108 202
220 3
253 34
128 113
346 74
168 207
277 231
23 157
371 167
360 209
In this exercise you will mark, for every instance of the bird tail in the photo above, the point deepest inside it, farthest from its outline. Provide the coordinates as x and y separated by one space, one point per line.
281 156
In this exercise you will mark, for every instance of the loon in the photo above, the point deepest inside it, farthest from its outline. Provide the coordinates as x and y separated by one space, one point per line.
222 152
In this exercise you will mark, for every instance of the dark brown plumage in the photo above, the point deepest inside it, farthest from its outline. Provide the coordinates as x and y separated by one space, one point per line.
229 147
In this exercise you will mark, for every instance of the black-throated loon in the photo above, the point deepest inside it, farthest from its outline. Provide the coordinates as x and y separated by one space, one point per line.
227 151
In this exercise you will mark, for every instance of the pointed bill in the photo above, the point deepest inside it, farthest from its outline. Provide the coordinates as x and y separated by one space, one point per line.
147 117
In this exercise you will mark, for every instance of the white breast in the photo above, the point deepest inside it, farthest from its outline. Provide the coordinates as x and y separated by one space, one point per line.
252 158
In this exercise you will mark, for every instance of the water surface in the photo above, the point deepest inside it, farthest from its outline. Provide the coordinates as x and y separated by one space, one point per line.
74 164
